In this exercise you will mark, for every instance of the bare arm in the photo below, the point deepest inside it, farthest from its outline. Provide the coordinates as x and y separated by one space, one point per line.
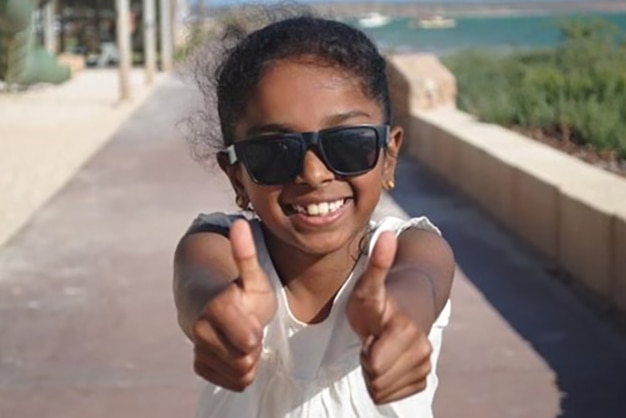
203 267
421 277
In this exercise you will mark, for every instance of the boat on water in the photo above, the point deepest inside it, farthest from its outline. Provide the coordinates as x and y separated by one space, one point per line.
373 20
434 22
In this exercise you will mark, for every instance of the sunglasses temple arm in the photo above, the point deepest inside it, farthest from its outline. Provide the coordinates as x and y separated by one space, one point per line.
231 154
386 136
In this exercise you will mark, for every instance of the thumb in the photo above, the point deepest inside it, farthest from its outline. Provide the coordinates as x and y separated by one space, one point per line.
369 297
251 276
380 261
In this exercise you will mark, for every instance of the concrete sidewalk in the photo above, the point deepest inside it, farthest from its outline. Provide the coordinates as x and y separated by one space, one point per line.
48 132
87 323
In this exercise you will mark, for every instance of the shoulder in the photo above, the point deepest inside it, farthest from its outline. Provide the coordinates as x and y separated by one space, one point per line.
420 243
208 236
402 228
216 222
206 241
399 225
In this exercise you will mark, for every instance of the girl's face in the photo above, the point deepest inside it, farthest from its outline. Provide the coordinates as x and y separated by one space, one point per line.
304 96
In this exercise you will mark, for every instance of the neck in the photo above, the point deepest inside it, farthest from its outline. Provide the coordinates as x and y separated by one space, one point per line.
312 280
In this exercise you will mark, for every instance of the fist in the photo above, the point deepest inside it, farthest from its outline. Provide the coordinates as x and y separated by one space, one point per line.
228 336
395 355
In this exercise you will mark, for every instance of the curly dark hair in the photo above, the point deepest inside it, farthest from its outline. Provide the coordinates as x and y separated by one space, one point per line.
228 71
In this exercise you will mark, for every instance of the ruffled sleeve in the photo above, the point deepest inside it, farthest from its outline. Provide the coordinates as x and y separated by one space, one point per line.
217 222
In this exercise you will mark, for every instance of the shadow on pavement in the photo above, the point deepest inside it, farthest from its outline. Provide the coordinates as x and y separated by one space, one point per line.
586 356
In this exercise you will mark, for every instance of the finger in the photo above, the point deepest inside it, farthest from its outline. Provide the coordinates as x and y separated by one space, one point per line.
228 328
369 296
407 371
397 336
235 367
385 349
244 252
227 381
380 261
205 337
402 393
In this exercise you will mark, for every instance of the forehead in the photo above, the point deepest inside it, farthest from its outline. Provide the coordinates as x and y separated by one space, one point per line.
305 95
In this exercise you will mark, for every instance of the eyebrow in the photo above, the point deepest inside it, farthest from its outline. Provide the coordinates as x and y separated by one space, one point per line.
329 121
343 117
267 128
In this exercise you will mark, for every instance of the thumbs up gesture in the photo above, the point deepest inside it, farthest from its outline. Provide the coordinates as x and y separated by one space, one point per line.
228 335
395 357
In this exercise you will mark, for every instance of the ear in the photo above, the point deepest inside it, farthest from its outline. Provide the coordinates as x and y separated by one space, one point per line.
233 171
396 136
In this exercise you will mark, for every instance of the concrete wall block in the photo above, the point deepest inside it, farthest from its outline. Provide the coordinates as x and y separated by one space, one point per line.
536 211
618 262
399 92
585 244
423 143
570 211
499 185
471 171
412 133
431 84
447 156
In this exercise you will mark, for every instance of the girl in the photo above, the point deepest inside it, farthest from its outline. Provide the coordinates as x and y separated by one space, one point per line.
310 309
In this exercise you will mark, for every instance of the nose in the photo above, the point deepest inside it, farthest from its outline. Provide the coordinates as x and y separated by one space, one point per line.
314 171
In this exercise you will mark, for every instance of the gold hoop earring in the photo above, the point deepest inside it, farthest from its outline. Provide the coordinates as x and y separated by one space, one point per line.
389 185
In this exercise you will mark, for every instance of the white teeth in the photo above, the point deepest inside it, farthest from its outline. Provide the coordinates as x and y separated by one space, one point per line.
322 208
319 209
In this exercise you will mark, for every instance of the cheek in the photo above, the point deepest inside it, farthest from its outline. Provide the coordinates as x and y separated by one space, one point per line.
369 185
262 197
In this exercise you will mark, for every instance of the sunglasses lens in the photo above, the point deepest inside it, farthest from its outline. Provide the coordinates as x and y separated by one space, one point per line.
351 150
273 160
347 151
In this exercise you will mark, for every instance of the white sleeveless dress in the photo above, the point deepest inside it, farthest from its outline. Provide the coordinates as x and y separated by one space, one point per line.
313 370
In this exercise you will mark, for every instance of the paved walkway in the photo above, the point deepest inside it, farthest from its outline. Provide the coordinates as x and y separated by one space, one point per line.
87 324
48 132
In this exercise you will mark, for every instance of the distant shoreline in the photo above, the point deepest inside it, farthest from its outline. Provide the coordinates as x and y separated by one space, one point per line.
478 10
460 9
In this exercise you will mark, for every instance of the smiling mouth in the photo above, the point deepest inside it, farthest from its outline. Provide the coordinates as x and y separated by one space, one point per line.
317 209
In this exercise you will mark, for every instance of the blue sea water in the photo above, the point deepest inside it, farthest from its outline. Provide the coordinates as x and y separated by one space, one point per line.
499 33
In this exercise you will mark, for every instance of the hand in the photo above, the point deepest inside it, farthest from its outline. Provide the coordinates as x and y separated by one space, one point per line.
228 336
396 352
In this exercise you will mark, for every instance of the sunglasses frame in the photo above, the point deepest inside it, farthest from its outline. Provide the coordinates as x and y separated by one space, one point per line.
311 141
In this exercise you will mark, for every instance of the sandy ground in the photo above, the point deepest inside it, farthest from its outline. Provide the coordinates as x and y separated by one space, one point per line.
48 132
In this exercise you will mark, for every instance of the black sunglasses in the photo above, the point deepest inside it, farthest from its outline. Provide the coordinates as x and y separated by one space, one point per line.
278 158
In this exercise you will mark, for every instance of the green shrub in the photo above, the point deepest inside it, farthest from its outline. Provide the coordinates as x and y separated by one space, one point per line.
577 90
